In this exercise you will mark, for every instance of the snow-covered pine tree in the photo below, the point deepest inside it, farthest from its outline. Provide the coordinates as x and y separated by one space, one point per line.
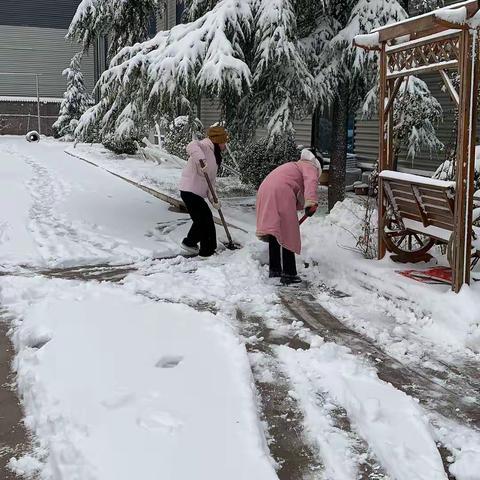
212 56
124 22
283 87
345 73
415 117
76 100
167 74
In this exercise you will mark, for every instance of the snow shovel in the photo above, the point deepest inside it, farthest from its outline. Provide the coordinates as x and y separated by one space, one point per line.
230 245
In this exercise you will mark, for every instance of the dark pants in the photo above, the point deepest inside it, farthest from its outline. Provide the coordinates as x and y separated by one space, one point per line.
288 258
203 228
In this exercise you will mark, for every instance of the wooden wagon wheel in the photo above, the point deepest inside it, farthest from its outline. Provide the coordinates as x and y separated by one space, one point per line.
410 245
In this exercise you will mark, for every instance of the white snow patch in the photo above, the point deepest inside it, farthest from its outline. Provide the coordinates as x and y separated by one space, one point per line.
369 40
457 15
97 398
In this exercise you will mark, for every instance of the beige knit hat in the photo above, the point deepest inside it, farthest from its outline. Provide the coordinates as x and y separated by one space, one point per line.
217 135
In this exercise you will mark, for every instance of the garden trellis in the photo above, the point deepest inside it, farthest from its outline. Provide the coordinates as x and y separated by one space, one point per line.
415 212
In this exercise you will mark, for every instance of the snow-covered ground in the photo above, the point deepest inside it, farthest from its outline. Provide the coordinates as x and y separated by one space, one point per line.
58 211
149 377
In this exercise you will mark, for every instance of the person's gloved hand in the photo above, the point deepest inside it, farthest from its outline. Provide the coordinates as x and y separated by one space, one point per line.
217 205
309 211
203 165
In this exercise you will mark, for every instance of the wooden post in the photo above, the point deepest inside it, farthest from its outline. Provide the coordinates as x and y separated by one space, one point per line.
382 148
467 127
391 92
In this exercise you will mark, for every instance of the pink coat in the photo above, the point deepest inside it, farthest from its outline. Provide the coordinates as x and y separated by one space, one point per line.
193 179
290 187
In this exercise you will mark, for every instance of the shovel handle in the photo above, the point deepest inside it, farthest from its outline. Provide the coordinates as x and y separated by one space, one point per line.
215 199
209 183
302 219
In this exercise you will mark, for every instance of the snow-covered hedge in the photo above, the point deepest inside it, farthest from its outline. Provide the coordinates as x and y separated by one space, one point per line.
258 159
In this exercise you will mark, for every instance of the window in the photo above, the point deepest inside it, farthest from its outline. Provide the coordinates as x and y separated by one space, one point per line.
180 11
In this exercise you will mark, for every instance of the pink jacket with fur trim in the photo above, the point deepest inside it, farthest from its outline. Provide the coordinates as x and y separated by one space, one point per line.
290 187
193 179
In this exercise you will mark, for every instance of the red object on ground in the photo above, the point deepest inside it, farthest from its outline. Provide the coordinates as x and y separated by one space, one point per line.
431 275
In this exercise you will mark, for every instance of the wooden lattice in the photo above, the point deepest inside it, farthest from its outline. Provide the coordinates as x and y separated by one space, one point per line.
435 53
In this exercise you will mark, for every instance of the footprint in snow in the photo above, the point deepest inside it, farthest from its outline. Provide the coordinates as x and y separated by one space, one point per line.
118 401
159 421
169 361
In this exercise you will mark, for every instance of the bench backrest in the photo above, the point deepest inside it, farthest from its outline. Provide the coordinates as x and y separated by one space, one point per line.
430 202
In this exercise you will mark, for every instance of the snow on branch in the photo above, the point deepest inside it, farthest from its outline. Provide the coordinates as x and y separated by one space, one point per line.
283 82
416 114
176 67
366 16
125 22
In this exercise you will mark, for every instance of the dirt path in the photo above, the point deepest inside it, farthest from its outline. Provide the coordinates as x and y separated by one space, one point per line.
13 437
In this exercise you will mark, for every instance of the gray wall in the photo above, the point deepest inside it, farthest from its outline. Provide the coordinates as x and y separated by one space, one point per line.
37 50
38 13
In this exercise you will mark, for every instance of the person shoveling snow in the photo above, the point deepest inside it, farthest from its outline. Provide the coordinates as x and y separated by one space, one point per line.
290 187
200 173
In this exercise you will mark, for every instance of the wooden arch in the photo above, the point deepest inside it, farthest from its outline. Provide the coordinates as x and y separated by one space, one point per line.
443 40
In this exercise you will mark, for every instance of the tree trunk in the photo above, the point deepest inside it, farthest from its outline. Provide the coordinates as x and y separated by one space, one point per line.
338 156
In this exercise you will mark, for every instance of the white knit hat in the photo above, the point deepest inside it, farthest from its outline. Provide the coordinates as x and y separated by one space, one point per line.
307 156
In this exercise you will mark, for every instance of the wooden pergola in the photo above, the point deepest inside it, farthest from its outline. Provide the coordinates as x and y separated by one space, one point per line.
440 41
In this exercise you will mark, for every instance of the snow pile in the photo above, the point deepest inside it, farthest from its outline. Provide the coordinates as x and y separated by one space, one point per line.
391 422
116 386
224 282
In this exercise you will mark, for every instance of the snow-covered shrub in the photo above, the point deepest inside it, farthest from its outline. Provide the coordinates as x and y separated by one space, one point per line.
119 145
180 132
258 159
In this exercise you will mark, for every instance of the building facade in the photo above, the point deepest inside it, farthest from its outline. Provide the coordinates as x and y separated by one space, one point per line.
34 51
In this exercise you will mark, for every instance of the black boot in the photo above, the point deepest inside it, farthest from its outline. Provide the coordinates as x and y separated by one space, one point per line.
274 274
290 279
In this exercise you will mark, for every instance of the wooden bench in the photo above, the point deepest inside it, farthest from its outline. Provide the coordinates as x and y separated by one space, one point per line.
420 214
